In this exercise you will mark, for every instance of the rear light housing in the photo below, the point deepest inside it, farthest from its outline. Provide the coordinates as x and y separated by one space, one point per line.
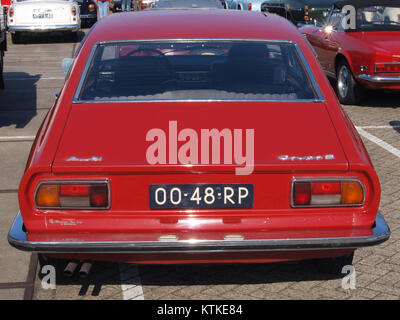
249 6
327 193
11 12
73 195
73 11
393 67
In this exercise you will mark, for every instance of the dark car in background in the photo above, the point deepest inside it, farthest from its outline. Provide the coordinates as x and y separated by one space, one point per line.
3 41
88 9
297 11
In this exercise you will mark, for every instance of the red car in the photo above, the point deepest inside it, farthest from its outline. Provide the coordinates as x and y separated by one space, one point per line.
362 53
176 141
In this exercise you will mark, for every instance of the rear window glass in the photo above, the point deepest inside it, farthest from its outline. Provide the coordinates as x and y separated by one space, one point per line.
196 70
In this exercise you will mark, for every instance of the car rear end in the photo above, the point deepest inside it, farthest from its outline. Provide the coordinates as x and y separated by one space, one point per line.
43 16
235 155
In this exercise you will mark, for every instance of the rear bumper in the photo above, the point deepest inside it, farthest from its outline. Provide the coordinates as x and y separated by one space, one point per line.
44 28
380 79
18 238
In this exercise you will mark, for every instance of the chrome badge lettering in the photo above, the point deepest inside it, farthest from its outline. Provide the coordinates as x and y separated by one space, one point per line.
307 158
85 159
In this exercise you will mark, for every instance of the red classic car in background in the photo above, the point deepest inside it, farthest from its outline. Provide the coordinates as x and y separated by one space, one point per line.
365 55
198 143
5 3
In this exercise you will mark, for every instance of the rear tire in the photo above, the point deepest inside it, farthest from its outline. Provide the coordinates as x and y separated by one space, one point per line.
347 88
334 265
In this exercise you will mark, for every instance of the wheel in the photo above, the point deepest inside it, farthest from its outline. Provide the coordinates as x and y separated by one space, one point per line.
334 265
348 90
15 37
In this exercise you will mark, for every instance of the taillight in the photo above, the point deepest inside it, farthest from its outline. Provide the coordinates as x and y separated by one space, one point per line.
73 10
250 6
79 195
11 12
91 7
321 193
306 11
387 67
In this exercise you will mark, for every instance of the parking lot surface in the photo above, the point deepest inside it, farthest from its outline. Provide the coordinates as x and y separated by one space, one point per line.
32 72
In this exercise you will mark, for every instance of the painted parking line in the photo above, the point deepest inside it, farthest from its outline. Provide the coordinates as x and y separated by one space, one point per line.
40 78
16 138
379 127
379 142
131 285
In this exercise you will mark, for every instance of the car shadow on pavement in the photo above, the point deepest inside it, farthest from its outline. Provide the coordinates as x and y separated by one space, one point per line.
395 125
382 99
107 273
52 37
18 101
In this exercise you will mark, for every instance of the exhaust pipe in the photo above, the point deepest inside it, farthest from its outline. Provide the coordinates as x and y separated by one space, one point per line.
70 269
85 269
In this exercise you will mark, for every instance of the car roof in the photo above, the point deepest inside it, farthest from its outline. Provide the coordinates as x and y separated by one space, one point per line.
193 24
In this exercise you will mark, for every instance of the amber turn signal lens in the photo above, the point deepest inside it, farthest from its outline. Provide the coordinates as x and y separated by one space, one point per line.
352 193
48 195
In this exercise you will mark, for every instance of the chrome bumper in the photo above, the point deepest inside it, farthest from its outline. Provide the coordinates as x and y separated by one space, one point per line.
379 79
44 28
17 238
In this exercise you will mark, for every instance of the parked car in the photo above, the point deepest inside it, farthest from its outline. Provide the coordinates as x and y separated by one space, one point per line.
187 4
3 41
5 4
88 12
296 11
366 57
102 183
26 16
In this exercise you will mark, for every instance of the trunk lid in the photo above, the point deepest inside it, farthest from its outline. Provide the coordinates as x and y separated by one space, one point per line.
111 137
43 12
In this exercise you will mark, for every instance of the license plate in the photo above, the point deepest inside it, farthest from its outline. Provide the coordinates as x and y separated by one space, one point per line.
194 196
42 14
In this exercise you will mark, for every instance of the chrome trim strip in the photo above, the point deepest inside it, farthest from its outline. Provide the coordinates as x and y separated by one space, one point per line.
330 74
18 239
330 179
88 16
105 181
45 28
379 79
310 75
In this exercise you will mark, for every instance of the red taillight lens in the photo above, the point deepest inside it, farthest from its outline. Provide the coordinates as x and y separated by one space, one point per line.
387 68
71 195
74 190
98 196
302 193
73 10
11 12
250 6
327 193
91 7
